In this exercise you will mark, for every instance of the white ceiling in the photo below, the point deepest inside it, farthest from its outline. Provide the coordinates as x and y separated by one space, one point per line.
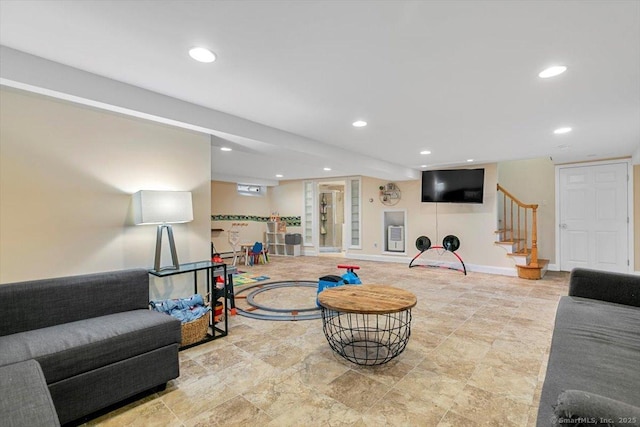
458 78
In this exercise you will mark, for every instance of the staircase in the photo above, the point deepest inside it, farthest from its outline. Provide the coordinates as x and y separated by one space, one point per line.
518 234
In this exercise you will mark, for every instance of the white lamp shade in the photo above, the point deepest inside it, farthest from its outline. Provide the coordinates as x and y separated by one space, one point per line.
162 207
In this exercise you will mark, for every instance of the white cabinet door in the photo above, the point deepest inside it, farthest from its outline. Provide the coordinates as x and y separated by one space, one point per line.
594 217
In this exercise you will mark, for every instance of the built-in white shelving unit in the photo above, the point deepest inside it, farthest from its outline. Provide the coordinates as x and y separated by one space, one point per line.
275 239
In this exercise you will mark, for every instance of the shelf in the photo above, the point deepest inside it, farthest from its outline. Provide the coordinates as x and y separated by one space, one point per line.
213 270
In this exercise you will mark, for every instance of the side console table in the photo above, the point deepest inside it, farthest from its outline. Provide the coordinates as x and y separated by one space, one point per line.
214 270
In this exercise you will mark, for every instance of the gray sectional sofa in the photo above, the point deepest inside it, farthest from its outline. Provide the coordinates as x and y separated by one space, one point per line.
593 376
93 337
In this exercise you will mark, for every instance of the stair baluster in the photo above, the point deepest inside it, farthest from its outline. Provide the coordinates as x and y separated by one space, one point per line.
517 230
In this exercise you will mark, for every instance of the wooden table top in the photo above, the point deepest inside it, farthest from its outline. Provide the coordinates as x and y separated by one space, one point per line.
367 299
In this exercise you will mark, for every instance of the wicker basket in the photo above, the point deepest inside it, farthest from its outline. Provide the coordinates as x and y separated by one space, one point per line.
194 331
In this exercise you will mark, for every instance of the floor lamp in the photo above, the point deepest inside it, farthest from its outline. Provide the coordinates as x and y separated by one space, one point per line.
163 208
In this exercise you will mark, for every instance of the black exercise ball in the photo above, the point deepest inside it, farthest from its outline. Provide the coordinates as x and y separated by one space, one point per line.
451 243
423 243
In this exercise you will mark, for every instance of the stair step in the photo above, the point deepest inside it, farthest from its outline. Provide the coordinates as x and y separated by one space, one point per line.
522 252
542 263
533 272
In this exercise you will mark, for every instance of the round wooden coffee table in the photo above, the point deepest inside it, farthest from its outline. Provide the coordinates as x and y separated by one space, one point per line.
367 324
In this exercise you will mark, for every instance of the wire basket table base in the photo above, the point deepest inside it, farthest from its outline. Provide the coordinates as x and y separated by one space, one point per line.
367 339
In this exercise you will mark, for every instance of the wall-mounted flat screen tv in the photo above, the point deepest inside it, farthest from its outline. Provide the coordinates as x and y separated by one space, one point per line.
453 186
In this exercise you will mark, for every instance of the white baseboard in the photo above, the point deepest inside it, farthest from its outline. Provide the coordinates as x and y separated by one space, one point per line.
503 271
553 267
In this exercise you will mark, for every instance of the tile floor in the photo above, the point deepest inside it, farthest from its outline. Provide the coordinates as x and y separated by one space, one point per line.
477 356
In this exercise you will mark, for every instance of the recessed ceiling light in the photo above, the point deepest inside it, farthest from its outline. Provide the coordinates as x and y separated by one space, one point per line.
202 54
327 169
560 131
225 149
552 71
279 175
423 166
359 123
469 160
425 152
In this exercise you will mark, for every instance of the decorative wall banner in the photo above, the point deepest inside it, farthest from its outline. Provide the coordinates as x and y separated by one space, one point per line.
292 221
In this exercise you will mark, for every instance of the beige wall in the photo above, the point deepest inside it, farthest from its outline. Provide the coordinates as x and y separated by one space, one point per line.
473 224
533 181
66 178
285 199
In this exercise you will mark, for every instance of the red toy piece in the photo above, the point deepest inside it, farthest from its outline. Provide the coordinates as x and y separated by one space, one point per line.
349 268
218 259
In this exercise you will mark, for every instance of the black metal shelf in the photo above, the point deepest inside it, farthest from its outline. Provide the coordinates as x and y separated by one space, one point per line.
226 292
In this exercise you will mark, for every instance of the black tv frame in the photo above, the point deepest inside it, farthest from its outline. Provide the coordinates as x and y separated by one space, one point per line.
465 186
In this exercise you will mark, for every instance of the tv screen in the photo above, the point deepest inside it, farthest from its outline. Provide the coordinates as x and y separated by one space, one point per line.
453 186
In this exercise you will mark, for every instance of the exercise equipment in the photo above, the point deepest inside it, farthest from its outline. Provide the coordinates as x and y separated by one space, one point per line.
450 244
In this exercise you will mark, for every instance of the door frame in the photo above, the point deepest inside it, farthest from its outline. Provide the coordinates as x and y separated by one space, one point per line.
630 226
312 248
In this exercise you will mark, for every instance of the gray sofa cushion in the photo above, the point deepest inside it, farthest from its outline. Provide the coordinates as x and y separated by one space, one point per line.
73 348
575 405
25 401
42 303
595 348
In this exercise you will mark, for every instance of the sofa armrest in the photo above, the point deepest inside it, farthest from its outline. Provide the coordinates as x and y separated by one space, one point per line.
25 400
584 408
618 288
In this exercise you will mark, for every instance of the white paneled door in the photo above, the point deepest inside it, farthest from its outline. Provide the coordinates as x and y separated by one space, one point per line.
593 220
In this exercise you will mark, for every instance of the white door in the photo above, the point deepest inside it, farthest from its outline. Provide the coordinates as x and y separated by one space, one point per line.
593 217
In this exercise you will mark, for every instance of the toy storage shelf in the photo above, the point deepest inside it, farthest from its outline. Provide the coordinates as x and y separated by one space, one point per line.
274 239
292 250
277 243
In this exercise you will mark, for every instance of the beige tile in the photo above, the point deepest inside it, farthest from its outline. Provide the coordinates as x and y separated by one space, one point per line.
282 356
436 387
463 347
482 329
389 373
321 411
320 367
396 409
355 390
220 359
450 366
488 409
505 382
153 413
440 323
246 374
504 354
290 402
234 412
196 398
532 416
451 419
